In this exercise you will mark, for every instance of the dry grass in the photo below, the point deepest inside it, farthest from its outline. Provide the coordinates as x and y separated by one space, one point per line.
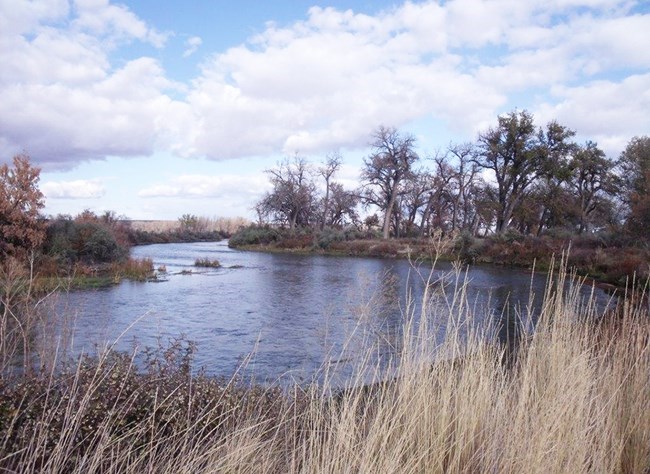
575 399
225 225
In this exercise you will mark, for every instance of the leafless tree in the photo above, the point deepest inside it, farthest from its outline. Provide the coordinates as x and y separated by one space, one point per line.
463 184
331 166
342 208
411 203
386 170
293 198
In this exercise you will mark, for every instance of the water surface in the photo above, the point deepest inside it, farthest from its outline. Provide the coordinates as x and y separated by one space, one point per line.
283 314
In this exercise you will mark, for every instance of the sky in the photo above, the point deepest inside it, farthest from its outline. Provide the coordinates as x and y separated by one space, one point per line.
157 109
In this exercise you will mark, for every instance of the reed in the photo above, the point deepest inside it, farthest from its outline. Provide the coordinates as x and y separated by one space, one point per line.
574 398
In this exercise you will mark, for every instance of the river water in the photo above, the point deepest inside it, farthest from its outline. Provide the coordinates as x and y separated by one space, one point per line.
272 316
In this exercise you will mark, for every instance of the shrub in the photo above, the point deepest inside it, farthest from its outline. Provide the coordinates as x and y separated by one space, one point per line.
207 263
105 402
327 236
87 238
99 245
134 269
254 235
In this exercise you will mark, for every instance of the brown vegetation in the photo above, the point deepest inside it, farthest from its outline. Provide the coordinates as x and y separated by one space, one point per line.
574 399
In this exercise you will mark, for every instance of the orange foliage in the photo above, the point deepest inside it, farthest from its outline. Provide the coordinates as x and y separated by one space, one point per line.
21 227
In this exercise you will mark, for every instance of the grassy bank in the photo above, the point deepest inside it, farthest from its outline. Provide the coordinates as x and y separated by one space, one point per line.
605 259
574 399
85 276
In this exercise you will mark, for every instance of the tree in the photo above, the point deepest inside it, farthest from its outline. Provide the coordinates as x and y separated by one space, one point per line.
591 181
634 168
386 169
411 202
555 151
21 227
517 154
191 223
332 165
292 200
463 180
342 207
436 211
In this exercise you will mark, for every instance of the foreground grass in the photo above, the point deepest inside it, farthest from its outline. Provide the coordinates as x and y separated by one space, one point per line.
573 399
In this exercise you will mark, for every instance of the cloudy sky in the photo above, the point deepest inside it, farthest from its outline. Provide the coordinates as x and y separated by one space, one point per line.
155 109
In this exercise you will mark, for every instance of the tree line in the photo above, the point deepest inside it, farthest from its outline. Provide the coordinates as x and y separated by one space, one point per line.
515 175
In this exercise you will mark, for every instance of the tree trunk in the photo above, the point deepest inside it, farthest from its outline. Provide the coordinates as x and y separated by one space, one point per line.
388 214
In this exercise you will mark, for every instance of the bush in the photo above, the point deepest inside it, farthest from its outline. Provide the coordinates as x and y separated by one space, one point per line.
254 235
86 239
134 269
327 236
207 263
100 245
105 401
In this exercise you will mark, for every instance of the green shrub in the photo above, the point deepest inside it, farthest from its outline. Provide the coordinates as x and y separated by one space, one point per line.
85 239
254 235
100 245
327 236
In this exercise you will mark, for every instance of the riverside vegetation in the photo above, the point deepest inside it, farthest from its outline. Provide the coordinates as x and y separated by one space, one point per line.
568 396
613 261
571 396
517 195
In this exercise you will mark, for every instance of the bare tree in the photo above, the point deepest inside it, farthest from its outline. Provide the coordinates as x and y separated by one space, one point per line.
342 208
386 170
331 166
292 200
412 201
463 183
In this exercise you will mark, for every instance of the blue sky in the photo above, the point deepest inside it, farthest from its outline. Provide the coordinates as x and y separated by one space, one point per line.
155 109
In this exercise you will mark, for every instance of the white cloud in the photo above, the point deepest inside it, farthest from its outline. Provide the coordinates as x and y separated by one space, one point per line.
314 85
328 81
78 189
607 112
61 98
191 45
115 22
230 187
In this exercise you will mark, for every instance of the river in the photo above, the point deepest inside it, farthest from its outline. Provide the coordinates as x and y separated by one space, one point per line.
272 316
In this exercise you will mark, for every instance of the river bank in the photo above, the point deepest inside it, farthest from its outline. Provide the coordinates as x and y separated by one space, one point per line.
609 263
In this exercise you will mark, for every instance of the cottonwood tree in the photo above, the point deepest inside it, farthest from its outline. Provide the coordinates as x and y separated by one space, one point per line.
342 206
592 182
331 166
517 153
634 168
436 211
463 183
412 202
293 198
386 170
555 150
21 227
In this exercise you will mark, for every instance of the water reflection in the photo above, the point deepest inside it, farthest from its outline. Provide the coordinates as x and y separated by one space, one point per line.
286 314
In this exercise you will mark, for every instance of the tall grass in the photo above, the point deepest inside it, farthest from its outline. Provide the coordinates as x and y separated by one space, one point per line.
226 225
575 398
